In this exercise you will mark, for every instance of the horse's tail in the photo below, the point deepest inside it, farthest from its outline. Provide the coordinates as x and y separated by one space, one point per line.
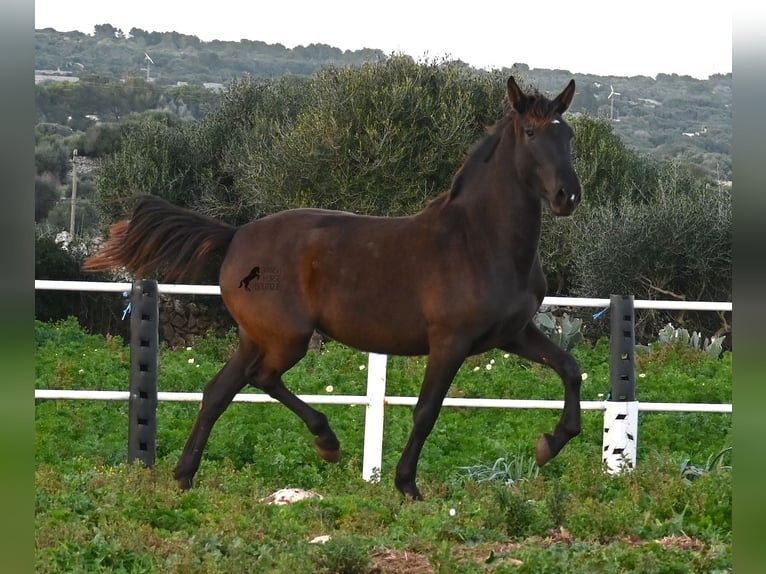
161 238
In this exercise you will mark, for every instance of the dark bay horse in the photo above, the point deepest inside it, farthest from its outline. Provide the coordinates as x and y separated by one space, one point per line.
461 277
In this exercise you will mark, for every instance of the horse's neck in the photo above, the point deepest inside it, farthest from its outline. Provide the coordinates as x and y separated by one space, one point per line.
503 213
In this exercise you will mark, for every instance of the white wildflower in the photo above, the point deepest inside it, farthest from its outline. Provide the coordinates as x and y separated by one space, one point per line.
329 388
191 361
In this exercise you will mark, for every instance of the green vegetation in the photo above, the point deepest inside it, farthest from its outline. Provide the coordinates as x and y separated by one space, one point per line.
94 513
374 134
113 53
651 114
384 138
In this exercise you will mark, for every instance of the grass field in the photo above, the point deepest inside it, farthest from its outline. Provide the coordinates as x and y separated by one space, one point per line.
487 508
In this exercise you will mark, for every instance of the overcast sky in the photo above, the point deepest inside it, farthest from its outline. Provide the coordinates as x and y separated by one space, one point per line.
645 37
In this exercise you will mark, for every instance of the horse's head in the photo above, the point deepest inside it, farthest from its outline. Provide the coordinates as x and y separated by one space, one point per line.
543 149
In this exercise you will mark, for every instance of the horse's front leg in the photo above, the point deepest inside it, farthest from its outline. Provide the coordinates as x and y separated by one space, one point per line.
441 369
532 344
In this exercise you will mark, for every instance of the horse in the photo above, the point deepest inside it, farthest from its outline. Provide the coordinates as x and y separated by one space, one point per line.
460 277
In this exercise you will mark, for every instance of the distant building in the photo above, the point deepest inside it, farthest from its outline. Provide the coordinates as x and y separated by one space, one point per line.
42 76
693 134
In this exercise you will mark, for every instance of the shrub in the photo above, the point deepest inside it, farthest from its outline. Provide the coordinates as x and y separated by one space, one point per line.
517 514
159 155
98 312
51 157
379 139
344 554
678 246
46 195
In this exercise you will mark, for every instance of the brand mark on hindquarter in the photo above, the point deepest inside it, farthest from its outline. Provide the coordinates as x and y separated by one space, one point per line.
261 278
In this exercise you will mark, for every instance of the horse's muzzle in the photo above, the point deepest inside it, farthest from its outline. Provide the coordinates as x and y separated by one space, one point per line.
566 200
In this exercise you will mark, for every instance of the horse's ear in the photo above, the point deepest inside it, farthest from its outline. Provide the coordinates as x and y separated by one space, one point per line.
516 97
564 99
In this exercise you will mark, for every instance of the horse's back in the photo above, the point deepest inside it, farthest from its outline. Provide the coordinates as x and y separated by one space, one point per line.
350 276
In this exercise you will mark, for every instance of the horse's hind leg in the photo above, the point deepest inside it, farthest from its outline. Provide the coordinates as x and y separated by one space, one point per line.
218 394
532 344
269 379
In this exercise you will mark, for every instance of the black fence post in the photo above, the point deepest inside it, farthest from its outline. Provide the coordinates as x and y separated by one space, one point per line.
621 408
144 362
622 364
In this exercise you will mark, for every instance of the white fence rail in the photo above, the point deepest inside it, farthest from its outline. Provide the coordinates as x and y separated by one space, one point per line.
376 400
181 289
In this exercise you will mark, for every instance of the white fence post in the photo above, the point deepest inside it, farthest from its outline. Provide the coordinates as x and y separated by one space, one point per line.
620 436
373 423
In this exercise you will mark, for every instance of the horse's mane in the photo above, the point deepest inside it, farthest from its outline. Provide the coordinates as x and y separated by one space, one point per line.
479 153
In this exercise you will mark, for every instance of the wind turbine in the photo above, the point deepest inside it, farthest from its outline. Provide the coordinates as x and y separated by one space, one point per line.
148 67
610 97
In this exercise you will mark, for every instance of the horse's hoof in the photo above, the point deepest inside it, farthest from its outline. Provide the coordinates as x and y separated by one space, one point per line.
327 453
414 495
184 483
408 489
543 452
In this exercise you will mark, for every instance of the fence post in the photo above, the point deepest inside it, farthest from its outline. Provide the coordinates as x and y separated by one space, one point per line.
373 423
621 412
144 348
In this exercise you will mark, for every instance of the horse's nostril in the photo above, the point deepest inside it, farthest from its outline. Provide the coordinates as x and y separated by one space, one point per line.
573 197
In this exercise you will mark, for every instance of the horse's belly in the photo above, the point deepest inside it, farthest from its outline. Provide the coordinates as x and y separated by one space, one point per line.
373 330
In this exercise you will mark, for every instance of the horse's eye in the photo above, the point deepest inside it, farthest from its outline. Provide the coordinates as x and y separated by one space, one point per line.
530 132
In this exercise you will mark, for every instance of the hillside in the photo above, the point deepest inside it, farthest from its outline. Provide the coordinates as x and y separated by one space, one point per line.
668 117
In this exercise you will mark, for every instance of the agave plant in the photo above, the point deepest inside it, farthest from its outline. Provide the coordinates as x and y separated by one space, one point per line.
669 335
564 331
506 470
715 463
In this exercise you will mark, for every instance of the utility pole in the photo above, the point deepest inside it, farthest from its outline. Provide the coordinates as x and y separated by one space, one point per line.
74 194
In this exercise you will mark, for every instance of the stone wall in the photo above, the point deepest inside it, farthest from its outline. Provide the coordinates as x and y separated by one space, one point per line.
181 320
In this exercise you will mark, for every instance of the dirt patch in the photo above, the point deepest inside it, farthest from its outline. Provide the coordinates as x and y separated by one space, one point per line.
394 561
493 555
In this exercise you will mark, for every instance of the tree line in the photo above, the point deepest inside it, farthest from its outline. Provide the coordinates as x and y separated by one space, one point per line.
650 114
113 53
